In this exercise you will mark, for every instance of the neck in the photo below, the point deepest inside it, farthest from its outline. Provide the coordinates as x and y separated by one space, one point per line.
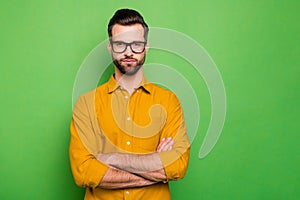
129 82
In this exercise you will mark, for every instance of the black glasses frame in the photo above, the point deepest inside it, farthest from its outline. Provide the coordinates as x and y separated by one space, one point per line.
128 44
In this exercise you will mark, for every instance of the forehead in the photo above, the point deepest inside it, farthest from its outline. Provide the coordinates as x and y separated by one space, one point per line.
130 33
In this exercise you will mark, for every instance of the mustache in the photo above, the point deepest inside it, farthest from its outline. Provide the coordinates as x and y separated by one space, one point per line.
128 57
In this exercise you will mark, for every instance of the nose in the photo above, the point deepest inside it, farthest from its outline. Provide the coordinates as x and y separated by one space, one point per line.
128 50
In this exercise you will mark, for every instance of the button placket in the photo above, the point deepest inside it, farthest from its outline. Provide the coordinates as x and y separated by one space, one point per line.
127 114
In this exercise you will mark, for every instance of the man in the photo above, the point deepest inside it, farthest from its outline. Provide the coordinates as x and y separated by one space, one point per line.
128 136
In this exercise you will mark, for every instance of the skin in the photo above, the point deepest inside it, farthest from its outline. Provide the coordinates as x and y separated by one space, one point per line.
132 170
129 61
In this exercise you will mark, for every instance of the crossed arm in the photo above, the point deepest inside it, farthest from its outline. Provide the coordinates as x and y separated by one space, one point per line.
134 170
116 170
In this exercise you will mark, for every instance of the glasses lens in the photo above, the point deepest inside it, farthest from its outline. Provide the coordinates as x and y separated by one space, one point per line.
138 47
119 47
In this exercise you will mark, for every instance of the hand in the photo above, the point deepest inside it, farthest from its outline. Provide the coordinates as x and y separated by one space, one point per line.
165 145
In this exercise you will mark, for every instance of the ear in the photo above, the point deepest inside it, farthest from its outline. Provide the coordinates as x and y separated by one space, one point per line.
109 48
147 47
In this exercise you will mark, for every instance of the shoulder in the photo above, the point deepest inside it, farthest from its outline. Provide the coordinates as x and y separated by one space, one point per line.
163 95
161 91
89 97
166 98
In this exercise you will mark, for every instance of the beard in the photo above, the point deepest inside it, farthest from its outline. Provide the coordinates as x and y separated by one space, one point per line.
134 68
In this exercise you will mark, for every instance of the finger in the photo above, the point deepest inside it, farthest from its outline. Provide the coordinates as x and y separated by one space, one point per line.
162 144
159 145
166 145
169 146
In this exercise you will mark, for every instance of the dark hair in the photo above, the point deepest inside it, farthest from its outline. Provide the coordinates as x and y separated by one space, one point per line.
127 17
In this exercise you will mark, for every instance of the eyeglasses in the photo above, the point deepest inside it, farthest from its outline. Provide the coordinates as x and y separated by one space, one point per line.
135 46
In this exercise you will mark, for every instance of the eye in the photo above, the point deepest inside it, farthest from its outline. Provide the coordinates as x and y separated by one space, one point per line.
138 44
119 43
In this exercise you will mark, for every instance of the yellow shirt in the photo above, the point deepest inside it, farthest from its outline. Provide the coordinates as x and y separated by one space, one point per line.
108 120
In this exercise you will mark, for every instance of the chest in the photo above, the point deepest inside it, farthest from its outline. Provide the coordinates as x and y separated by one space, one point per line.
131 123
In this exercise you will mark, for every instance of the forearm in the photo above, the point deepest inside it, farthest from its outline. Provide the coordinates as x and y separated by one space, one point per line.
117 179
157 175
148 166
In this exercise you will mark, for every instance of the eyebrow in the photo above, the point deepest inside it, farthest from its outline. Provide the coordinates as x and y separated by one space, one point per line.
127 42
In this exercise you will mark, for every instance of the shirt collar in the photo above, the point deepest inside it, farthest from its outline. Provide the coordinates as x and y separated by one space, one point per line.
114 85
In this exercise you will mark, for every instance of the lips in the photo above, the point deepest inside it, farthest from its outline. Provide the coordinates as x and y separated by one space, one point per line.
128 60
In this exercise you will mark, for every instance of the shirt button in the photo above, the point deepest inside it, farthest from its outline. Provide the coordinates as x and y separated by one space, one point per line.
126 97
138 91
127 192
128 142
128 118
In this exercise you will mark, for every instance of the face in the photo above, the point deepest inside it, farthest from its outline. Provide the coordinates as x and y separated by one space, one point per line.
128 62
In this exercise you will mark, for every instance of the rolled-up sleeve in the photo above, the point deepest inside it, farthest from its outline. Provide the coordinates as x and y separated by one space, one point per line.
87 170
175 162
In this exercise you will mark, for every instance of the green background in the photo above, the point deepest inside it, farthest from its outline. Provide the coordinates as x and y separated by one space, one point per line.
255 45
